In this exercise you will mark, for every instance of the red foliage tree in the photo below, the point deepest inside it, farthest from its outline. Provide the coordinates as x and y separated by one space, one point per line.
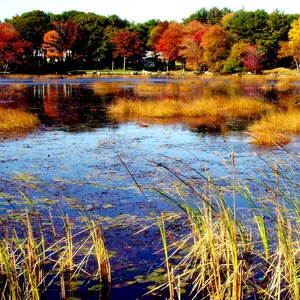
68 33
252 59
156 34
169 43
12 47
127 44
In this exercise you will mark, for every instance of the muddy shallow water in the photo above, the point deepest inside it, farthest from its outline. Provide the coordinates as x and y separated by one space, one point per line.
113 168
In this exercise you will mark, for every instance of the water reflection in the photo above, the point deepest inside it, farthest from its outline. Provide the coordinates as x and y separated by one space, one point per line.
78 105
69 106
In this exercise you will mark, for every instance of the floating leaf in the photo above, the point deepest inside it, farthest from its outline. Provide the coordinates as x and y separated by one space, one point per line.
160 270
74 285
96 288
133 269
131 282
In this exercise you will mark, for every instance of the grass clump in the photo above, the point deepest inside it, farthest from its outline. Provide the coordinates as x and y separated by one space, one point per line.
148 88
17 120
168 108
104 88
273 128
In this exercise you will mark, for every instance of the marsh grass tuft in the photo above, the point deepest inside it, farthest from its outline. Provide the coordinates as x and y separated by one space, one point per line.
201 107
273 128
16 120
104 88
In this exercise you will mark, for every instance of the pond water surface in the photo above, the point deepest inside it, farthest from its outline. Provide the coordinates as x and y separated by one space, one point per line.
112 168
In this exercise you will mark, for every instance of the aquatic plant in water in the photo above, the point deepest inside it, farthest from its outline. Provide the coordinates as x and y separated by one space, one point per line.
36 255
227 253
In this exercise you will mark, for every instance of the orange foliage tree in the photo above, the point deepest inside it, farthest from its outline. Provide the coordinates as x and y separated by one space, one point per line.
58 42
191 47
12 47
52 44
156 33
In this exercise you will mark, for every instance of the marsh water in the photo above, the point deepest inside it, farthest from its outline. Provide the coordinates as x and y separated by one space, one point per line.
116 167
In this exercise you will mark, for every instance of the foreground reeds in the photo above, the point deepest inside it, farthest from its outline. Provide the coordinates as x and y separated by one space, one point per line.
16 120
38 253
224 253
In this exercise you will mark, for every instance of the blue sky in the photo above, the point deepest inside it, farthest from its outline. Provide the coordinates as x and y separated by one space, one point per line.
141 11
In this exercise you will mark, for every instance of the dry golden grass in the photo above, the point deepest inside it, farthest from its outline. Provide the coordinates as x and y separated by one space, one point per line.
23 76
164 108
230 253
67 255
16 120
17 86
148 88
104 88
281 71
285 83
170 108
171 88
273 127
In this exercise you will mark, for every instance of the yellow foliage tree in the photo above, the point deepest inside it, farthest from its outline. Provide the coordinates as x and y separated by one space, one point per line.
291 48
216 43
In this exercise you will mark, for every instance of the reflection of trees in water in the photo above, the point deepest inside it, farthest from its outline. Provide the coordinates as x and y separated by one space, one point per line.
70 105
78 106
271 95
12 96
51 102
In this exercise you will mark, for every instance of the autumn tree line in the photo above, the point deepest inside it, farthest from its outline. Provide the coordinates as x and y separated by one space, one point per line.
215 40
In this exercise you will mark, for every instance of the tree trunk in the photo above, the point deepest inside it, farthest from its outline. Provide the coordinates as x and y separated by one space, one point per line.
297 64
124 64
